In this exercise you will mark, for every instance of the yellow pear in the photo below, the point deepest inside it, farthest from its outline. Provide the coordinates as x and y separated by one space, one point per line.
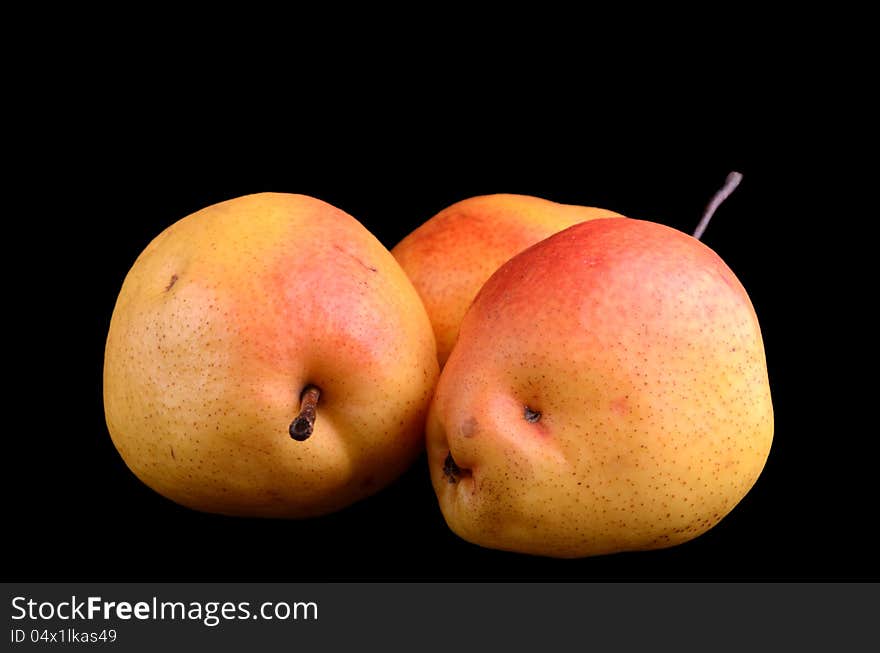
608 392
267 356
451 256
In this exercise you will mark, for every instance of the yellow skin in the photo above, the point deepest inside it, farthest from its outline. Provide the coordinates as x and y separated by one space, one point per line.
224 319
451 256
643 355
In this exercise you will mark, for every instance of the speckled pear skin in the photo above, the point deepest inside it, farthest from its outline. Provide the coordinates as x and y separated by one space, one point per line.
451 256
643 355
224 319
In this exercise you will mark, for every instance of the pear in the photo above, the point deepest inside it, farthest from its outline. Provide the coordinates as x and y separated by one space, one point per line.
268 357
451 256
608 392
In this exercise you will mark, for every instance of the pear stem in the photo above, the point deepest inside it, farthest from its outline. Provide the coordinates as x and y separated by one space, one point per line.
301 428
723 193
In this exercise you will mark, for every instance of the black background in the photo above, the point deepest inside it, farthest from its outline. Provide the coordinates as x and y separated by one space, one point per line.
113 174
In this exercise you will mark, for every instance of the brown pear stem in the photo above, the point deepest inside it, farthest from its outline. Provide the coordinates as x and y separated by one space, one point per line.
301 428
723 193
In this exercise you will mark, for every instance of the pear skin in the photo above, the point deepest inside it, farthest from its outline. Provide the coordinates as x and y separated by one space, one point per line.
608 392
224 321
451 256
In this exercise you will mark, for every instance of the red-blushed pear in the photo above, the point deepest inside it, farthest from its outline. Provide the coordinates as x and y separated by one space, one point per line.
451 256
608 392
267 356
